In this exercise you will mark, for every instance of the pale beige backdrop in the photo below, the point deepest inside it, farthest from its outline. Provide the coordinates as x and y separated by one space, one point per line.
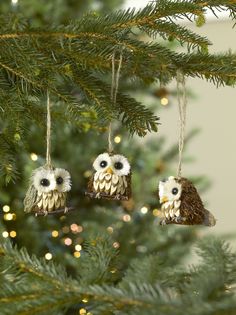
214 112
214 149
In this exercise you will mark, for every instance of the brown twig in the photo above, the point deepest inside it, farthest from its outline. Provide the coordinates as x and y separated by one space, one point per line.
41 213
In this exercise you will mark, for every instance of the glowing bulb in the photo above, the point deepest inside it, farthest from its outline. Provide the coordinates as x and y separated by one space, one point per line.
85 300
33 157
13 234
68 241
116 245
14 2
126 218
6 208
82 311
164 101
55 233
48 256
110 229
117 139
5 234
144 210
65 229
8 216
74 228
78 248
156 212
77 254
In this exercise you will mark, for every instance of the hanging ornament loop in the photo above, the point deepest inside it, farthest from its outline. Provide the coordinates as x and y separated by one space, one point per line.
182 105
114 89
48 137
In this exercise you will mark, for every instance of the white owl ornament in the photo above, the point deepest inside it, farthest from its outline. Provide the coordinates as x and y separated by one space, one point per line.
48 191
112 178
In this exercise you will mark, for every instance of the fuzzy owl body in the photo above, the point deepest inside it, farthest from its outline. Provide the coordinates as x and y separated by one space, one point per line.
48 190
181 203
112 179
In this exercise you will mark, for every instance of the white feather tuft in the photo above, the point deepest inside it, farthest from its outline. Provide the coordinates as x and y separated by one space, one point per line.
65 175
126 166
99 159
42 173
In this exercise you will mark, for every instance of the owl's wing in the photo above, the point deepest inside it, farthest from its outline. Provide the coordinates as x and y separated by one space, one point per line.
192 211
90 184
128 190
30 199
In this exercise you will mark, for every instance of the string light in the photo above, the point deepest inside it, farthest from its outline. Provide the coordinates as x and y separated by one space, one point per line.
110 229
6 208
48 256
116 245
5 234
126 218
13 234
87 174
113 270
78 248
74 228
14 2
85 300
156 212
68 241
65 229
55 233
164 101
117 139
17 137
82 311
144 210
33 157
77 254
8 216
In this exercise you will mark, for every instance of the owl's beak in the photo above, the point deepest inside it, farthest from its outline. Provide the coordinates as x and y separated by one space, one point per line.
164 199
109 170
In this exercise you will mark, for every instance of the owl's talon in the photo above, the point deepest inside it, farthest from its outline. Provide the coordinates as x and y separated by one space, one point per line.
98 195
163 222
66 210
117 197
178 219
45 213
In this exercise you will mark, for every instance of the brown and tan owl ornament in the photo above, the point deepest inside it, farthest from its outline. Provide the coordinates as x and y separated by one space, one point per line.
181 203
48 191
112 178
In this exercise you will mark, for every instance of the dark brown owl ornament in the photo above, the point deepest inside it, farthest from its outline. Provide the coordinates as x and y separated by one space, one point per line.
181 203
112 178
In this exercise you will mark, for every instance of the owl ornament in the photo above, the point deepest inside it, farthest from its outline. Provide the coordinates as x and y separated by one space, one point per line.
48 191
181 203
112 178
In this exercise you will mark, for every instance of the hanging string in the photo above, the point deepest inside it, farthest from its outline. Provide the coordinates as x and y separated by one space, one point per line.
182 105
48 154
114 89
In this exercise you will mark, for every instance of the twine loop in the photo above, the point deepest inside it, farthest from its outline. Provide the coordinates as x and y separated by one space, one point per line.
114 90
182 105
48 136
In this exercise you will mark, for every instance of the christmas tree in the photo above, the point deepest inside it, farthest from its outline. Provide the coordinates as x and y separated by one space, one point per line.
104 257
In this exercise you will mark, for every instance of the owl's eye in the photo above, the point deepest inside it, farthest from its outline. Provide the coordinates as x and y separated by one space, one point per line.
103 164
118 165
59 180
175 191
44 182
